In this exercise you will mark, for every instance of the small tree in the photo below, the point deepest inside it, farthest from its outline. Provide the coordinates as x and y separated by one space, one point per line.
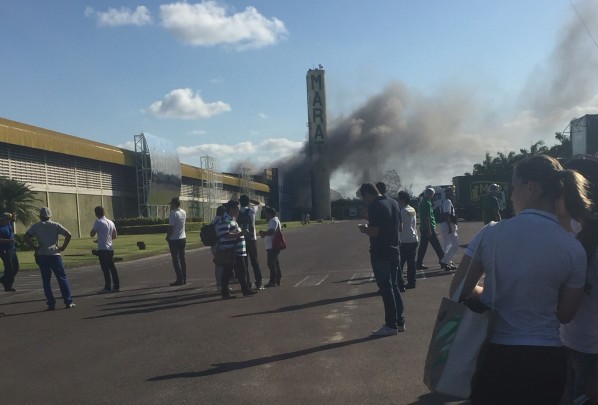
393 182
18 199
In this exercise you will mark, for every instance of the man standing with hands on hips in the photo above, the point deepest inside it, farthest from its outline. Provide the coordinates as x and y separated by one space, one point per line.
177 239
48 258
383 231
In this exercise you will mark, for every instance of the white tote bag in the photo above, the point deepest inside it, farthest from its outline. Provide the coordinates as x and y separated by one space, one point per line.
458 337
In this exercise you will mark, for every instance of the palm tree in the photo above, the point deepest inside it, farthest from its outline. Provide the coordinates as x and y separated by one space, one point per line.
17 198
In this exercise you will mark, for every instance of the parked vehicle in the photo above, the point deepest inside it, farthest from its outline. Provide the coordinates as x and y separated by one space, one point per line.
470 192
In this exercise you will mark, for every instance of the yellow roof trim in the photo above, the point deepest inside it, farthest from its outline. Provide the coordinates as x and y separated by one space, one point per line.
29 136
17 133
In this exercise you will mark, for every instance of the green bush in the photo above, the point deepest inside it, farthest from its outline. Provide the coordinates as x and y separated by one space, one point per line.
142 229
141 225
139 221
22 246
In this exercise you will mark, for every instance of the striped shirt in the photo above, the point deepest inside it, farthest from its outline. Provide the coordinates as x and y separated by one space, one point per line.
226 226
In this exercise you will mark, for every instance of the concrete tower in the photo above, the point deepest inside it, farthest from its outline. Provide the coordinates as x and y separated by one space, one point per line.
318 147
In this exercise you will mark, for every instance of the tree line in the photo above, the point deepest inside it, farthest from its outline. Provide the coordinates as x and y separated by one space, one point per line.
503 164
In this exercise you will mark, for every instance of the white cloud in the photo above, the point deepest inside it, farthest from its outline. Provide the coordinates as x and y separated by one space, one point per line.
123 16
130 145
207 24
277 148
183 104
262 115
198 132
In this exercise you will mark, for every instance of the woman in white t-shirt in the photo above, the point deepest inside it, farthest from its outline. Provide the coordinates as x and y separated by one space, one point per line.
408 239
580 336
273 263
535 274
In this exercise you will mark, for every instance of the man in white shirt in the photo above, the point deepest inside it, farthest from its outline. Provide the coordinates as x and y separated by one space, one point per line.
448 230
177 239
106 231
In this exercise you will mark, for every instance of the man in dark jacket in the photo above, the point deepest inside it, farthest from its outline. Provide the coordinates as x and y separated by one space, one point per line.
383 230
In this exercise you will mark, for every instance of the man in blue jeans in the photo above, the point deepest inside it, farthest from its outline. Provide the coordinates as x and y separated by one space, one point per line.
48 258
8 252
383 230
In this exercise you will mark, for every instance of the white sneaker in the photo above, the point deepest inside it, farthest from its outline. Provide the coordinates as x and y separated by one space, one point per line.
385 331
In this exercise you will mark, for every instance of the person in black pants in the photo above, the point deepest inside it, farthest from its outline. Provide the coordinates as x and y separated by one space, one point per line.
106 232
246 221
8 252
231 237
408 239
273 263
427 229
177 240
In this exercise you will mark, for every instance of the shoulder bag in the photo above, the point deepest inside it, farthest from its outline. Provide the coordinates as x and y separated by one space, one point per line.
278 240
458 337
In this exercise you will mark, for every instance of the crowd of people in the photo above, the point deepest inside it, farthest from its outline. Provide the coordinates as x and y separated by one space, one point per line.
234 223
539 267
540 270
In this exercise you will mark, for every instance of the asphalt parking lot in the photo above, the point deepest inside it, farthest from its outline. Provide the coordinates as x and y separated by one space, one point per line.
307 341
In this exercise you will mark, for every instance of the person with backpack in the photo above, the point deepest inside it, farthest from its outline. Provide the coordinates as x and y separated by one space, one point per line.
232 237
246 221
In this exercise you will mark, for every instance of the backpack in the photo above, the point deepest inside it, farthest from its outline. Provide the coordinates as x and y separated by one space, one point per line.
208 234
244 220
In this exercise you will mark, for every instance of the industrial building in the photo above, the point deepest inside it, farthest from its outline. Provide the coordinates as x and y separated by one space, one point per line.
584 134
72 175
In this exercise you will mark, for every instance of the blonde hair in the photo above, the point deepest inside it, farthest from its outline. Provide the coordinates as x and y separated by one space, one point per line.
557 182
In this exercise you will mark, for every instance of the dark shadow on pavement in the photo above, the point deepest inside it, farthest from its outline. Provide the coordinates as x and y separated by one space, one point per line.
160 289
326 301
161 297
432 398
24 313
113 295
220 368
439 273
160 306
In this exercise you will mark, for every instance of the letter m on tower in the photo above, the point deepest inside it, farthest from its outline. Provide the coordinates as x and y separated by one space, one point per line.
316 105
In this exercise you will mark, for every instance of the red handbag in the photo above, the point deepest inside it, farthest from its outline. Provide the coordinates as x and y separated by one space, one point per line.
278 241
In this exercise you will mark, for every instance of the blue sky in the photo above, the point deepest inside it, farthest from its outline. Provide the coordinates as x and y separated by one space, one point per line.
227 78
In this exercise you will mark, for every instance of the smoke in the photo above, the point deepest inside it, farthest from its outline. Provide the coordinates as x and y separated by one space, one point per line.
428 139
420 137
565 86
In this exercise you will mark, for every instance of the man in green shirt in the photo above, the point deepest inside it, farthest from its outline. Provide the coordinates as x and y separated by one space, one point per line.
490 205
427 229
